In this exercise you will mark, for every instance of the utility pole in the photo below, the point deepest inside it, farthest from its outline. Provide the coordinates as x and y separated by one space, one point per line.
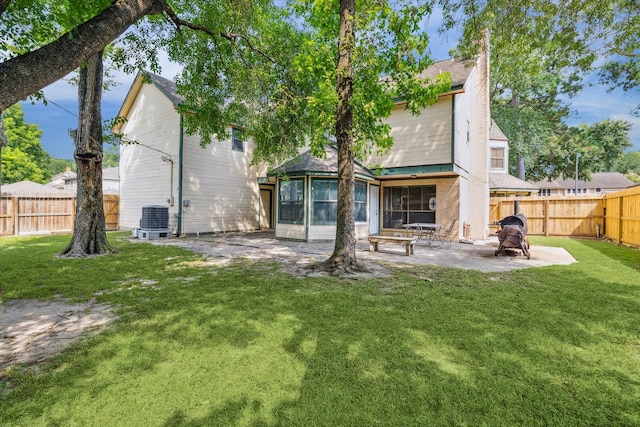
576 181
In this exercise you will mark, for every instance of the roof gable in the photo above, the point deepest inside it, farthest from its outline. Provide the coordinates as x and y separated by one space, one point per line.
166 86
495 133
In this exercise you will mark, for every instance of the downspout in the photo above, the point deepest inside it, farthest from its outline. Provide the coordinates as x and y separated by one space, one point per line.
453 130
180 164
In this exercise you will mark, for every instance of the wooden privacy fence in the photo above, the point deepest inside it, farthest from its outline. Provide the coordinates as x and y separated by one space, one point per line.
615 216
48 213
622 211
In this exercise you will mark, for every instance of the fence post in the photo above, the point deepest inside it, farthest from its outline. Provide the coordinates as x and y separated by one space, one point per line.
620 206
545 206
73 214
16 215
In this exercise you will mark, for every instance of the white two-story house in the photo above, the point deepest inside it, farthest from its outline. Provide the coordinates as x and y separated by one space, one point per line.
436 171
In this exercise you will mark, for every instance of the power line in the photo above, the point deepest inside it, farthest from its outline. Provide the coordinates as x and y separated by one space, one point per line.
47 100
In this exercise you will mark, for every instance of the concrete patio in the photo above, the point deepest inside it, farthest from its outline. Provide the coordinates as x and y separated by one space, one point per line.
478 255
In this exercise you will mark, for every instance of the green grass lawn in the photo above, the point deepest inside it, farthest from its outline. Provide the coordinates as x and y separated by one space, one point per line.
199 345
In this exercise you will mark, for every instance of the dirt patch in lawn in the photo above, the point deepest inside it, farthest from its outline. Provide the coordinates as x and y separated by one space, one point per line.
33 331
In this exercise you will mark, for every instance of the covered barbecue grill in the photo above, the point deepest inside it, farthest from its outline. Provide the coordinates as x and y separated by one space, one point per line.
513 234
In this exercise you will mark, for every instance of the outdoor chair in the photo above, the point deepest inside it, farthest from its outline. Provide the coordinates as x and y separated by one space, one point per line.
444 234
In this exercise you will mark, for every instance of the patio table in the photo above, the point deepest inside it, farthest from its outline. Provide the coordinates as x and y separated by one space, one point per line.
423 230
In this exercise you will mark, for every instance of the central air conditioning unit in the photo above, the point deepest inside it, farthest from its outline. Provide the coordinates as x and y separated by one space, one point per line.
154 217
154 223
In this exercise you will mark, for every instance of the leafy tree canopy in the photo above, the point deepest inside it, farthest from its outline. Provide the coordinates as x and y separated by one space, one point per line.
629 165
282 90
542 51
23 158
597 146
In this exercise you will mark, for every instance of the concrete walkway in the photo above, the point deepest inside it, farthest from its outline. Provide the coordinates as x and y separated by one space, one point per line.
479 255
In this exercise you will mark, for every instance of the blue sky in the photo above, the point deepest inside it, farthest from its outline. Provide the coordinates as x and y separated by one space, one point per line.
593 105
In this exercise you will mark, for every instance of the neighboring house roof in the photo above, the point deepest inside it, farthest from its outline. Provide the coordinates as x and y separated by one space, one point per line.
307 164
602 180
27 188
505 183
111 173
459 70
57 181
495 133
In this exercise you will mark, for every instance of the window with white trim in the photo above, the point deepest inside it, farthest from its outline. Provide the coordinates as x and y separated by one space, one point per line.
237 143
497 158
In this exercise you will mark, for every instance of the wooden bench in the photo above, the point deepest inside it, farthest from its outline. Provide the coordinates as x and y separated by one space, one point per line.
408 242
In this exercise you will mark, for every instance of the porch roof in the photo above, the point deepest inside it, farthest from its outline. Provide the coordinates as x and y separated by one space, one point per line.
509 184
307 164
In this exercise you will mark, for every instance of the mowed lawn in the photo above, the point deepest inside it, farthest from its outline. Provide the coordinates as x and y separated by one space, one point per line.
198 344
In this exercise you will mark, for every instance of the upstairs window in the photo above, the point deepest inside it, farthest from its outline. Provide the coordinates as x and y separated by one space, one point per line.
497 158
237 144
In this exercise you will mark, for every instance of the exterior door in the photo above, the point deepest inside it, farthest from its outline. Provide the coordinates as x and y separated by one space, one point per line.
374 209
266 218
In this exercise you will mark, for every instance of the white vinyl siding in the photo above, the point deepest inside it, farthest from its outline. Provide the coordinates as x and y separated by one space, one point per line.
222 187
219 183
145 178
419 140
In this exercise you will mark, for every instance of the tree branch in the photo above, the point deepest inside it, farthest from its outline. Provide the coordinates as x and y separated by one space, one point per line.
26 74
3 5
228 36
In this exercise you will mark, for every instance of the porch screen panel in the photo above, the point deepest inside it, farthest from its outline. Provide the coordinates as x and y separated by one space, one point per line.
291 201
405 205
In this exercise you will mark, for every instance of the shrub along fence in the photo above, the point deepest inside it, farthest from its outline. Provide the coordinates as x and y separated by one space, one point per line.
615 216
48 214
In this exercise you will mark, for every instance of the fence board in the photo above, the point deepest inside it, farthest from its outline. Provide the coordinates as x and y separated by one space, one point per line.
623 216
554 216
46 214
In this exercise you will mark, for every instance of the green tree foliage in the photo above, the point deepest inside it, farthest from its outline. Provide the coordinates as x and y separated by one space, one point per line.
629 165
57 166
111 157
312 77
23 158
598 147
541 53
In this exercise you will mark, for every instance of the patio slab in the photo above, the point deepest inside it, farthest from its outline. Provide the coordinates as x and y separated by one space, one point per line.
478 255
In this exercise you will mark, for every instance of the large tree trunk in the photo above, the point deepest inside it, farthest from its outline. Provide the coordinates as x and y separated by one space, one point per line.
344 252
89 232
26 74
3 5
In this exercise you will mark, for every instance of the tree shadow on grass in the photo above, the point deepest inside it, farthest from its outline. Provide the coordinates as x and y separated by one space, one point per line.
427 346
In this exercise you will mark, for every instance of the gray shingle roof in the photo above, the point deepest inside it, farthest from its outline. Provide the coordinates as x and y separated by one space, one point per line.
307 164
459 70
30 188
506 182
111 173
602 180
167 87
